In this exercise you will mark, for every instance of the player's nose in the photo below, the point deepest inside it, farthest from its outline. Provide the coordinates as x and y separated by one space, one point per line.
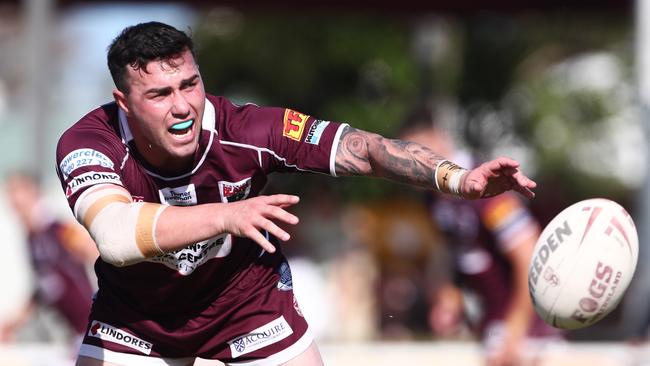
180 107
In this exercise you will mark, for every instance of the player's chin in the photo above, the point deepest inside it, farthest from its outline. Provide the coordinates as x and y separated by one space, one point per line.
183 151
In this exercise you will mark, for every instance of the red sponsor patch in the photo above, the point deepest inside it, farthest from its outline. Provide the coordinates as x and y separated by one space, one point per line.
294 124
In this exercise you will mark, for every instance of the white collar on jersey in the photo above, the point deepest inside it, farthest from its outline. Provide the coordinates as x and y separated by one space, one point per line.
208 122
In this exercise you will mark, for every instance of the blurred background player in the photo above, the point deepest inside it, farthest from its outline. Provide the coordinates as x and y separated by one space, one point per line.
490 243
407 254
59 253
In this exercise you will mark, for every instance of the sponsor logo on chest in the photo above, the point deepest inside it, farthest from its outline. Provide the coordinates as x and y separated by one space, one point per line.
234 191
109 333
261 337
179 196
187 260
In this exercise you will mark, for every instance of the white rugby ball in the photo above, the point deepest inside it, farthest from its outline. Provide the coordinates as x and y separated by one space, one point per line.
582 263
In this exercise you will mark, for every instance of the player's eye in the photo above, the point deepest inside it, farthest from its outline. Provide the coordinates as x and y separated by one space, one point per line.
157 96
189 86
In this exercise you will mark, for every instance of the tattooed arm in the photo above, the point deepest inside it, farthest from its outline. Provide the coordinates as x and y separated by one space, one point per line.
364 153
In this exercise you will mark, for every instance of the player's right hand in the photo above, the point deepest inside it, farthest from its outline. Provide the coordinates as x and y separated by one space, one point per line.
247 217
495 177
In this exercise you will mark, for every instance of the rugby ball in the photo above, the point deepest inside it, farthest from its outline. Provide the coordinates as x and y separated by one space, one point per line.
582 263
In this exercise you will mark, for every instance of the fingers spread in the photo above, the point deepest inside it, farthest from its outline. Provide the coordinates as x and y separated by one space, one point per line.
524 181
256 236
525 191
509 171
502 166
274 229
281 200
275 212
505 162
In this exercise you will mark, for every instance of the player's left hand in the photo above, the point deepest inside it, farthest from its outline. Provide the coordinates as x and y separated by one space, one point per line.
495 177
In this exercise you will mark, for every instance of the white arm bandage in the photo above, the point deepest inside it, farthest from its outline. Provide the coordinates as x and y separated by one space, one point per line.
124 231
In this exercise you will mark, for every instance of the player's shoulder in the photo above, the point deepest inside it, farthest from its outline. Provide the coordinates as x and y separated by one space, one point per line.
226 105
224 108
243 122
100 122
93 140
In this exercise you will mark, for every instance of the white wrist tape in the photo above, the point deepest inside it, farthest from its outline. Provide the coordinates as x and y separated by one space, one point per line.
447 176
124 231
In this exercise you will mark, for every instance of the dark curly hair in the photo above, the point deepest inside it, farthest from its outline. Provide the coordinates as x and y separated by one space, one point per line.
139 44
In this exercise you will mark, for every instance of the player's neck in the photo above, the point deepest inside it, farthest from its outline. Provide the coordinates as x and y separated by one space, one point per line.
161 161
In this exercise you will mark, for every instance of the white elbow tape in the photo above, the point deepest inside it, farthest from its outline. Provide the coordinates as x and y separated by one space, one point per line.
124 231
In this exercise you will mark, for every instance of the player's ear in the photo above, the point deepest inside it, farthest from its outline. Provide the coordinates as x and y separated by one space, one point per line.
120 99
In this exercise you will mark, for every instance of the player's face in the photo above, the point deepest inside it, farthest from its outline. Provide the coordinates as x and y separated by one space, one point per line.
164 106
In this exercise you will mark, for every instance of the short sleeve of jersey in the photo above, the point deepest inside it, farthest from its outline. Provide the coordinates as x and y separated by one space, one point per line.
286 140
506 217
87 154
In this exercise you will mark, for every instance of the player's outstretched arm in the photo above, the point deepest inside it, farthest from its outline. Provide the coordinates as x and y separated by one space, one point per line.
128 232
364 153
244 218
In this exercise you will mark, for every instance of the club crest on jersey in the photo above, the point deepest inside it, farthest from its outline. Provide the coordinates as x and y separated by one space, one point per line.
294 124
109 333
234 191
178 196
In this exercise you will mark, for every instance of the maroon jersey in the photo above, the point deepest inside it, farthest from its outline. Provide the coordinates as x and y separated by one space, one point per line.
222 298
61 280
238 147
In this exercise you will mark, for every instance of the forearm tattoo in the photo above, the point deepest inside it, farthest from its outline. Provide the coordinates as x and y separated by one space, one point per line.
364 153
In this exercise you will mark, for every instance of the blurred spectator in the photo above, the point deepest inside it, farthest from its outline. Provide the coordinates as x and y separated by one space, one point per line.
405 246
59 252
334 274
490 242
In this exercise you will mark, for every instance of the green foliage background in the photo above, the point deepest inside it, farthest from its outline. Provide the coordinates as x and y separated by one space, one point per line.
364 69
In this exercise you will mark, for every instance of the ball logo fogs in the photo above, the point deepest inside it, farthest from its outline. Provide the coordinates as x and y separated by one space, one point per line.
601 289
582 263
